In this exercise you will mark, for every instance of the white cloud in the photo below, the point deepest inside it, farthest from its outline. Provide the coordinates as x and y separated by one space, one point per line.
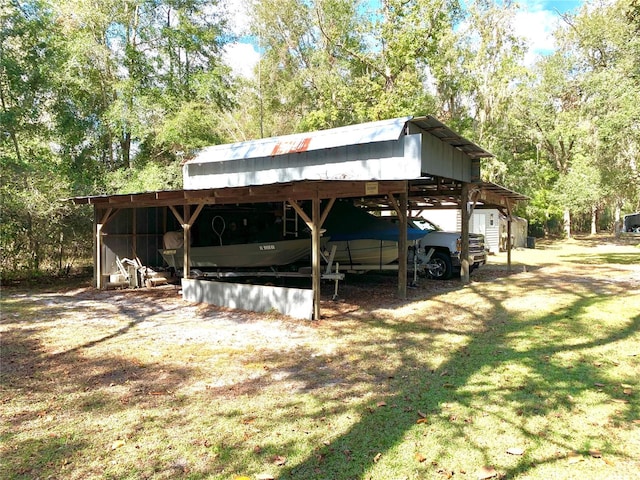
242 58
241 55
537 20
536 27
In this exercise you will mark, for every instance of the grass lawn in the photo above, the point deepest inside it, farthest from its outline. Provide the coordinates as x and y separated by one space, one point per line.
530 373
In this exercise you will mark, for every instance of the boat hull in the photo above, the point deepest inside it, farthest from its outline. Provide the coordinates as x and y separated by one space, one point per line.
258 255
364 252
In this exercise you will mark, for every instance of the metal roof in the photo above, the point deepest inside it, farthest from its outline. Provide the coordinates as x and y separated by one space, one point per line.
438 129
370 132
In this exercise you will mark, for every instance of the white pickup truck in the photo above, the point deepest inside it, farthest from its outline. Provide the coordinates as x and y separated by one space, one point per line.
445 260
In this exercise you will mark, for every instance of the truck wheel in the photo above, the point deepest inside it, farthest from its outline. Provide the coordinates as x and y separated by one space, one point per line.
439 266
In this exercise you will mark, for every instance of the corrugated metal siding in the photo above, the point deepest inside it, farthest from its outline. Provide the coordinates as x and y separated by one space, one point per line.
370 151
440 158
118 239
388 160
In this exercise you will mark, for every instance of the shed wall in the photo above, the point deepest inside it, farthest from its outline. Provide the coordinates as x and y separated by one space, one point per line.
441 159
134 232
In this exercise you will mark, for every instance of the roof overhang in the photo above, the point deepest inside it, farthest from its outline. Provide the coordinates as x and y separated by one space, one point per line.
433 192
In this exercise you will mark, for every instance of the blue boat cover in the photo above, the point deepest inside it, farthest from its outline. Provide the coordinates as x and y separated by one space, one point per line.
348 222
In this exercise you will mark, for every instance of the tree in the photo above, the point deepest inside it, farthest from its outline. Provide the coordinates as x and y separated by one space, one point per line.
34 126
329 63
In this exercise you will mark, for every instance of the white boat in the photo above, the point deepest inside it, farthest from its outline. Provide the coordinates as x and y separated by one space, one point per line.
364 251
259 255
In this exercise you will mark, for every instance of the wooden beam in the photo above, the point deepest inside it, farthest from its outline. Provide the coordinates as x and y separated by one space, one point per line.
315 256
301 213
177 214
326 211
508 235
464 253
106 217
402 245
186 236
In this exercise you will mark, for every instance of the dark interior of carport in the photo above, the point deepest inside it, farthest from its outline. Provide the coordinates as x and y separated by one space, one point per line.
143 218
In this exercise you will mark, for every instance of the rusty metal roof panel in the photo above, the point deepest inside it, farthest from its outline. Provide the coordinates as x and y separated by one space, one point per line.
370 132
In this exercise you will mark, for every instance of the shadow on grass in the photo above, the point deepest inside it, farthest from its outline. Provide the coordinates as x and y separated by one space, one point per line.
604 258
70 383
456 393
547 388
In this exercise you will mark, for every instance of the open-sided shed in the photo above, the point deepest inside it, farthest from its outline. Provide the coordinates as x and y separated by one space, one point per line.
405 164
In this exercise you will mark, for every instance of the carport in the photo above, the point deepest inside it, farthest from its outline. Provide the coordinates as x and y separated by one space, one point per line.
405 164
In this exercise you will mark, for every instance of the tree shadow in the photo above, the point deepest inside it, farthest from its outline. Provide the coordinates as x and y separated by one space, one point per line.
412 386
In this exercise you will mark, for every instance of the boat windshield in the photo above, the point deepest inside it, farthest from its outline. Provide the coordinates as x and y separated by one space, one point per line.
425 224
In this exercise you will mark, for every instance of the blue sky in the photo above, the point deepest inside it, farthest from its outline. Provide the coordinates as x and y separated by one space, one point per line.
535 22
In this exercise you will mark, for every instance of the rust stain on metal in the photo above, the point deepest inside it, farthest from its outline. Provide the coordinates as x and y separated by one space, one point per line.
291 146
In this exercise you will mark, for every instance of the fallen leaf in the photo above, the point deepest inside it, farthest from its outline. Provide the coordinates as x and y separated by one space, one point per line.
599 384
626 385
117 444
377 457
422 414
421 420
279 460
636 421
420 458
257 449
627 391
381 404
595 453
242 478
609 462
515 451
265 476
619 400
486 472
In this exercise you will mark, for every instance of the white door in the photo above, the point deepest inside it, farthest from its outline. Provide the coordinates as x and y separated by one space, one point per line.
478 223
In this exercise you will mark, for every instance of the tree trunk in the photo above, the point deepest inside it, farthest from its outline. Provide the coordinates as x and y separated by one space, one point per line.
594 220
125 147
567 222
617 224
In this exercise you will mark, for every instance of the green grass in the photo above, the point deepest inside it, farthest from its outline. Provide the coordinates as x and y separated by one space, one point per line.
546 360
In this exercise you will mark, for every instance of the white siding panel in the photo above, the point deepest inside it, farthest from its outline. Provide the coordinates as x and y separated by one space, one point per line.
389 160
440 158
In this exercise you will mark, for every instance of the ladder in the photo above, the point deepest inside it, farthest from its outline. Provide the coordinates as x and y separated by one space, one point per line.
289 220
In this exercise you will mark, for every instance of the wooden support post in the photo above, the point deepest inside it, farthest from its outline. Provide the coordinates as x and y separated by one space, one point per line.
186 221
108 215
315 225
98 272
134 232
402 245
508 237
401 211
315 256
186 239
464 248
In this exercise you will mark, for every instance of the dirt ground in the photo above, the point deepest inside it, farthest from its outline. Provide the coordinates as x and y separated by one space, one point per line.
162 313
